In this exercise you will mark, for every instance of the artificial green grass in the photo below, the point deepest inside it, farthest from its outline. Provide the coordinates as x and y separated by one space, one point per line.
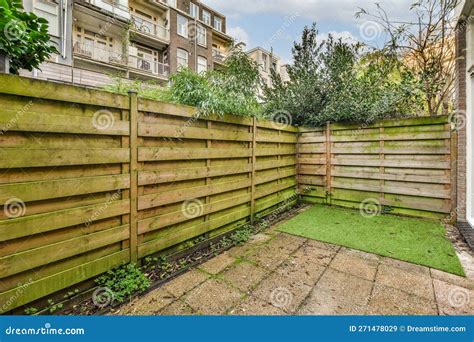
418 241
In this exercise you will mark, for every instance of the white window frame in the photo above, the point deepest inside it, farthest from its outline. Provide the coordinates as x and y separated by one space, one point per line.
182 29
201 35
201 62
194 10
184 57
216 26
171 3
206 17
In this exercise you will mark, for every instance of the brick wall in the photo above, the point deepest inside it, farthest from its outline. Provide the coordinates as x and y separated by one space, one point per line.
461 107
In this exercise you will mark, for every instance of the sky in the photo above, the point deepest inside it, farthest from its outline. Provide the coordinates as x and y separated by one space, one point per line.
278 23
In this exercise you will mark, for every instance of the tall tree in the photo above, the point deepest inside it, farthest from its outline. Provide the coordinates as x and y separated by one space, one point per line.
426 44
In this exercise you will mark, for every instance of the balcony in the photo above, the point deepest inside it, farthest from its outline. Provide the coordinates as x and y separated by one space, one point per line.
149 29
147 66
98 53
218 56
116 8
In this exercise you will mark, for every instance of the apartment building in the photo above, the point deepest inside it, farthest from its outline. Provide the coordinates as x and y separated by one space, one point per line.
267 61
138 39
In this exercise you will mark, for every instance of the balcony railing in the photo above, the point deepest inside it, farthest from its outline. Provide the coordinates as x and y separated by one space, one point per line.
114 7
218 55
149 66
149 27
98 53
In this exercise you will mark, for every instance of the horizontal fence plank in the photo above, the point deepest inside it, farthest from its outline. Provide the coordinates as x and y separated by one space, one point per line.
18 157
175 175
54 123
390 150
394 177
391 136
33 258
35 191
163 198
41 223
183 132
420 164
172 153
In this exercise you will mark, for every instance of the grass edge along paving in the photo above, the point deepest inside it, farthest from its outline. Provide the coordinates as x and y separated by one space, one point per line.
419 241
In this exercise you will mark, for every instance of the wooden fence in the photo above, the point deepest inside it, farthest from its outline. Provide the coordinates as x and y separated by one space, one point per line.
407 166
91 179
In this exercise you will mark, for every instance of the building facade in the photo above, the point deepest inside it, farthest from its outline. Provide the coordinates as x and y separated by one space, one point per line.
266 61
132 39
464 121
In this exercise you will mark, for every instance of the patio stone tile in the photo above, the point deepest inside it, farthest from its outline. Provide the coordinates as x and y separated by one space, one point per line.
268 256
177 308
319 256
389 301
453 299
241 250
185 282
323 245
342 288
360 254
259 238
218 263
407 266
452 279
149 304
360 267
301 268
253 306
324 302
245 275
418 284
282 292
286 242
214 297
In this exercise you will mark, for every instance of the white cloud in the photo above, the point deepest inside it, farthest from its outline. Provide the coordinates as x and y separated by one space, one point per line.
346 36
239 34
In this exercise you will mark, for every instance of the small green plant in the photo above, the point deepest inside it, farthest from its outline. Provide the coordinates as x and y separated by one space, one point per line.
30 311
53 307
124 281
242 235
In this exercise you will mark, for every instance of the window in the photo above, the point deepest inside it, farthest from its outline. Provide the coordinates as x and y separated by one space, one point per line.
194 11
201 35
202 64
172 3
264 62
206 17
182 58
218 24
182 26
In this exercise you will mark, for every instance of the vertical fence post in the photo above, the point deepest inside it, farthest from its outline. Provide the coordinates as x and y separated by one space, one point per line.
133 175
454 171
253 175
328 163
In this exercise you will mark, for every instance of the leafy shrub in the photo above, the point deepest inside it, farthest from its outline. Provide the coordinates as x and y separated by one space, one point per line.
24 37
124 281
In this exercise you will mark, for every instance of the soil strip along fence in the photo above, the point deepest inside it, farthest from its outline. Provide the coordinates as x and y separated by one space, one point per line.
91 179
